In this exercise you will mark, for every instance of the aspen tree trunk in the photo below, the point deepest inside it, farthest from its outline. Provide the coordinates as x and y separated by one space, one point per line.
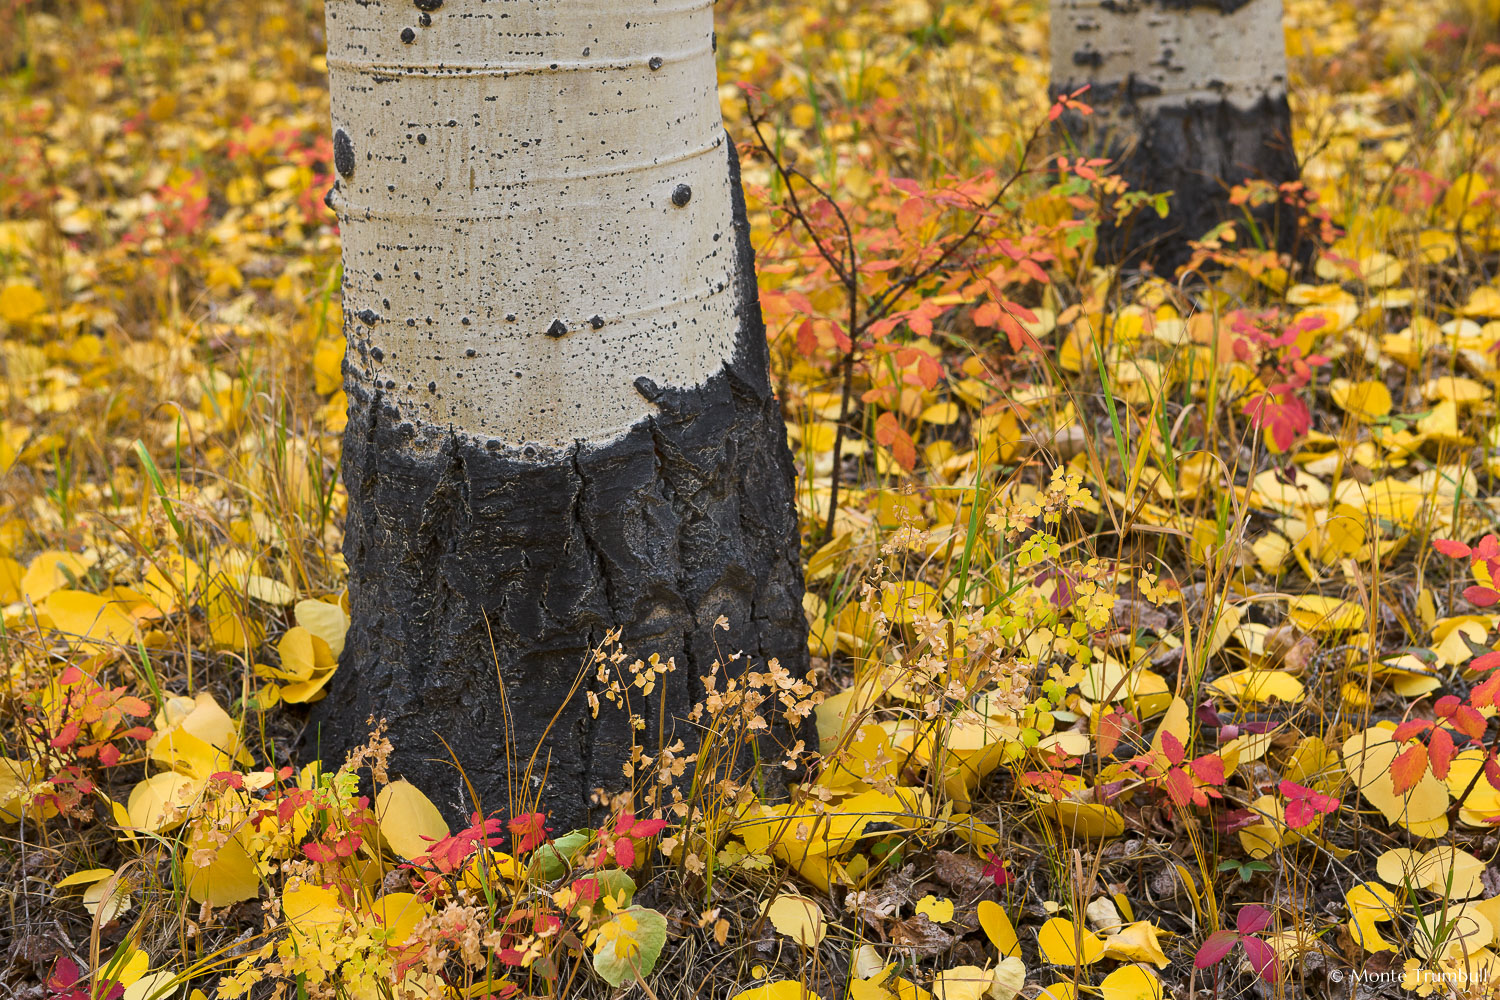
560 414
1191 94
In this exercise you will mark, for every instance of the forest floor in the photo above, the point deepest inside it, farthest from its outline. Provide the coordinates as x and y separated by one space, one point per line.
1153 620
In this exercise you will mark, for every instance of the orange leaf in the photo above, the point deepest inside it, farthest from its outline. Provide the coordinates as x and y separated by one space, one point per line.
1408 768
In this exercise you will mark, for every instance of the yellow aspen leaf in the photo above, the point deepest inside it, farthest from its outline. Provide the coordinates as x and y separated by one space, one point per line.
300 692
941 414
268 590
52 570
1251 686
1398 866
408 820
1131 982
1441 424
10 572
86 877
1451 872
782 989
1423 809
107 900
939 911
161 802
134 965
1064 943
1009 978
299 656
171 581
157 985
88 620
313 914
997 926
1176 721
196 737
1451 930
1304 492
796 917
218 874
20 303
965 982
326 621
399 913
1136 942
1085 819
1316 613
1483 301
1365 401
1461 391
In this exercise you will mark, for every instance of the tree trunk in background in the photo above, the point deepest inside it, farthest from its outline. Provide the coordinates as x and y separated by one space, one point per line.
560 414
1193 96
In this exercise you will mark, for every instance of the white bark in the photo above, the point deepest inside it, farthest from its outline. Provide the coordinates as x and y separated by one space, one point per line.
1171 53
514 165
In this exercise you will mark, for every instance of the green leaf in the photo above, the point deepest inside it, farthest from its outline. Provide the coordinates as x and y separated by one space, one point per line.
613 882
554 860
629 945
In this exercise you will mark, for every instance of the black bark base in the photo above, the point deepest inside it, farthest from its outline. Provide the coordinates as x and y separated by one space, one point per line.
1198 152
470 569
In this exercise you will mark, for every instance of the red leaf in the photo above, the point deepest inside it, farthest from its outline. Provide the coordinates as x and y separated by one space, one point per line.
65 975
1111 728
1179 787
1409 729
1408 767
1209 769
891 434
1262 959
1485 661
65 736
134 706
1304 804
1299 813
807 338
1469 721
1252 919
930 371
625 852
995 870
1171 748
1483 693
1481 597
1451 547
109 755
1440 752
320 853
1492 771
1213 950
529 829
644 828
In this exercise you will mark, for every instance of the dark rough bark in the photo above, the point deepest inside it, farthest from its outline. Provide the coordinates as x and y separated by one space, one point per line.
467 565
1198 151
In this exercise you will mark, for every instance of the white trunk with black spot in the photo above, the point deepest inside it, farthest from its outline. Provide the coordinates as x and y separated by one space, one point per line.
560 414
1190 95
